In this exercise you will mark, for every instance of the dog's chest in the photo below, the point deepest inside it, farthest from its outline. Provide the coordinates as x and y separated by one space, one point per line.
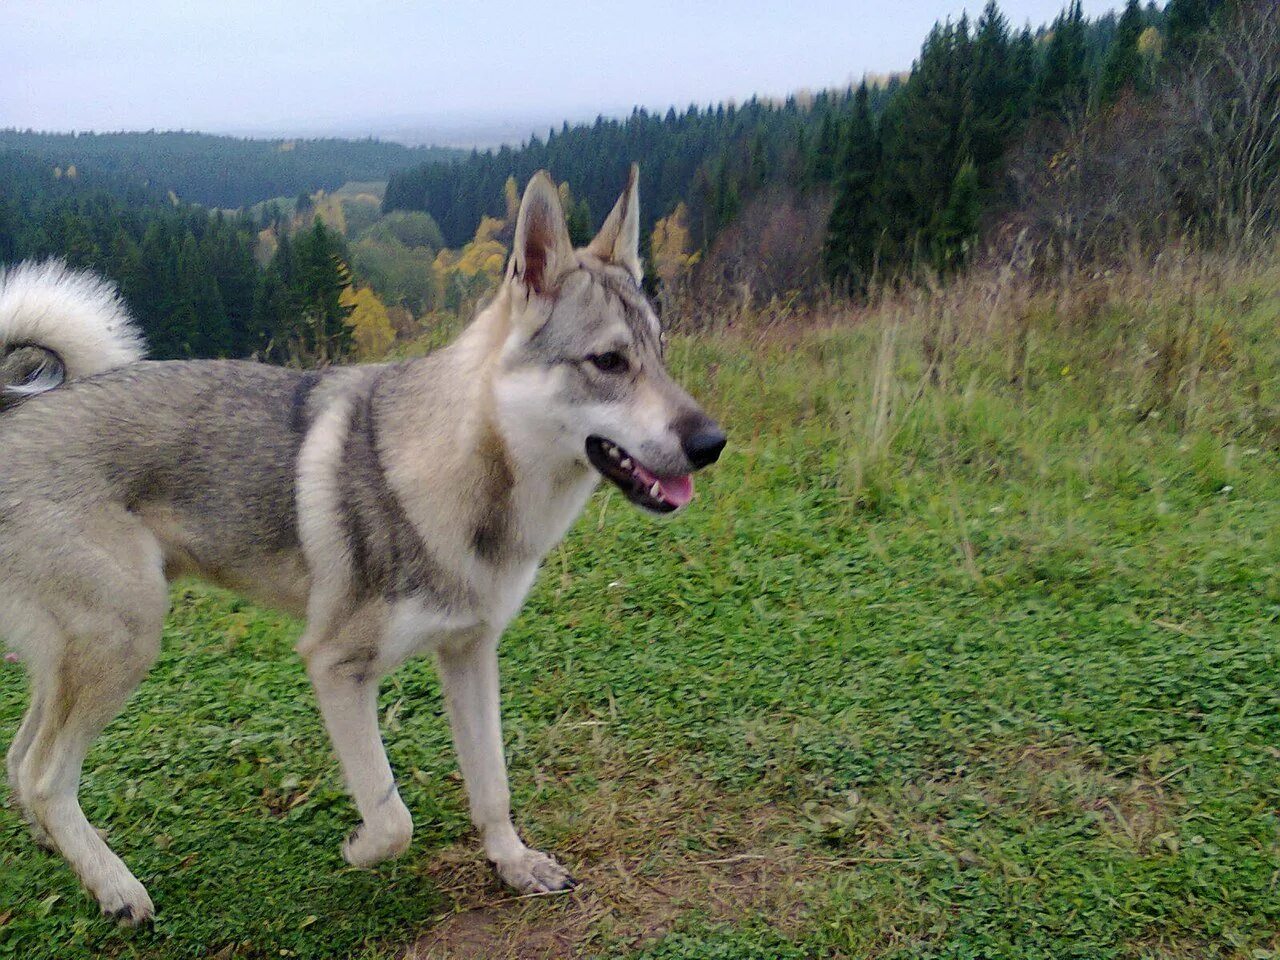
419 625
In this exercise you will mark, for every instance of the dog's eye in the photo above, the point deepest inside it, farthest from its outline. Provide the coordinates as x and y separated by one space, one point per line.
610 362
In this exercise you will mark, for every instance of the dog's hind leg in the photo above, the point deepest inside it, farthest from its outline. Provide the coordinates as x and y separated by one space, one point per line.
94 679
109 637
345 671
22 741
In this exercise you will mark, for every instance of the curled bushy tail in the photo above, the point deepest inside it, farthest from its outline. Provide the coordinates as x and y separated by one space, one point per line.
59 324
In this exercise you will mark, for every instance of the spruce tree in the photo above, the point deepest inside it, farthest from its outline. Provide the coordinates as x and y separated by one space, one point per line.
321 333
1024 62
203 322
1187 20
826 150
853 230
926 141
273 308
957 223
578 220
995 95
1063 84
1123 67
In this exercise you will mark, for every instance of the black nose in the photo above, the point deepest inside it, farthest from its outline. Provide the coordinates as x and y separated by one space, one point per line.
703 446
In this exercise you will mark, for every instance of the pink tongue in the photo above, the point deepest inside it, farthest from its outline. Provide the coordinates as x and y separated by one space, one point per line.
675 490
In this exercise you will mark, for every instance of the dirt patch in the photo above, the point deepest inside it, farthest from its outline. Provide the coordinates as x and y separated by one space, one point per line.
645 853
623 902
654 844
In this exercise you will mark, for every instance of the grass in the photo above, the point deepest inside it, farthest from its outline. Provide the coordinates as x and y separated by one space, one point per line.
967 649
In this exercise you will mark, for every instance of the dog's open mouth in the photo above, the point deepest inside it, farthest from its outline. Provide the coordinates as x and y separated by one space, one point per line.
640 486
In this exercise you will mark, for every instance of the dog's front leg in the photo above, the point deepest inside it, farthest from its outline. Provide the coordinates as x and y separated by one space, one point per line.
470 679
345 676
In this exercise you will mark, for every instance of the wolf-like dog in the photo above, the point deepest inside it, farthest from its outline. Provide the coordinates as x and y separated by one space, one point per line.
402 508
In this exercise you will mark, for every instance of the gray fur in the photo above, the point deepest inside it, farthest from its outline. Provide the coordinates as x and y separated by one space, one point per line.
389 558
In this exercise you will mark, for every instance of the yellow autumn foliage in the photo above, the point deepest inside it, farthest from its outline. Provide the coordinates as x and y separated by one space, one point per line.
370 323
266 246
328 208
484 254
464 275
511 194
1151 43
672 259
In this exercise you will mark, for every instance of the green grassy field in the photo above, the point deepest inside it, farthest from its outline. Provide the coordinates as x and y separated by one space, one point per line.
969 648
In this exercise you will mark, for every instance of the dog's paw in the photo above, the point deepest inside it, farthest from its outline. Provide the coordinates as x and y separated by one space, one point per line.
40 836
369 845
534 872
126 902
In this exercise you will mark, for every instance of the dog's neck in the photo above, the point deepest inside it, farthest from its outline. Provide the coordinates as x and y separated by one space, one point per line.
549 487
488 495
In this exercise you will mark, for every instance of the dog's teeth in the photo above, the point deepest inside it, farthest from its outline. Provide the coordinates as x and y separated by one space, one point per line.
656 490
615 452
626 464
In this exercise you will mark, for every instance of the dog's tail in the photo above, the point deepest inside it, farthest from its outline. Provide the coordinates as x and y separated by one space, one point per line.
59 324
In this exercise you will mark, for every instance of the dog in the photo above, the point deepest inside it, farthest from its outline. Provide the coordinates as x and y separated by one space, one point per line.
403 509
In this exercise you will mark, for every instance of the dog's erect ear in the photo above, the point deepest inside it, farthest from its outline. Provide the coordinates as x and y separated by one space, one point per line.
619 239
541 250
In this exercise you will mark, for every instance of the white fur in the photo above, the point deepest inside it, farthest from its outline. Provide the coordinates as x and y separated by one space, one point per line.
76 314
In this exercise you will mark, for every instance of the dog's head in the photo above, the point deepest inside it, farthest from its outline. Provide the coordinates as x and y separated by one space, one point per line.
582 366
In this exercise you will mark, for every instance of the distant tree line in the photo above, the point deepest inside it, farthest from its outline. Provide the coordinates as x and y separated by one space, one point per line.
224 172
1175 139
189 277
917 165
706 158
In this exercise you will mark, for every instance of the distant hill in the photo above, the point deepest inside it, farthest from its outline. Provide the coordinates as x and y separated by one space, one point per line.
706 158
227 172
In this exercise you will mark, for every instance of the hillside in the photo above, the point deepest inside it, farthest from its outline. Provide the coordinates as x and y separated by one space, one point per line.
960 655
966 648
225 172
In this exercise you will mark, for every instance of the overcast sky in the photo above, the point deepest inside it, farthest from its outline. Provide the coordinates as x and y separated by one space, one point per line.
367 66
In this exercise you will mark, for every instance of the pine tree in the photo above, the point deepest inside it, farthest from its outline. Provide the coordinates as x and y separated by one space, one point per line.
1063 84
957 223
1187 20
854 228
1123 67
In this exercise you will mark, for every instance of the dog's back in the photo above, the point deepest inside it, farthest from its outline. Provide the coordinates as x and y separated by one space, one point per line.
203 453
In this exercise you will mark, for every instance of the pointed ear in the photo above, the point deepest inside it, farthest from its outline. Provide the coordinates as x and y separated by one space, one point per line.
619 239
541 250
